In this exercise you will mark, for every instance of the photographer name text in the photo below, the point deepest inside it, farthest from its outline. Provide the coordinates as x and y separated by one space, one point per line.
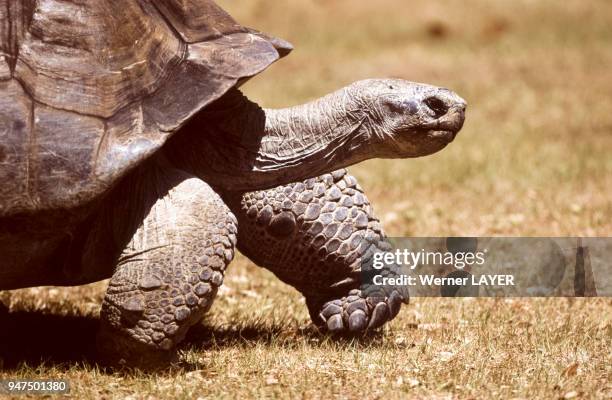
432 280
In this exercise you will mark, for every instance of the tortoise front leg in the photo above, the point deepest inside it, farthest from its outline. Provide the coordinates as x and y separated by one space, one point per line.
168 274
314 235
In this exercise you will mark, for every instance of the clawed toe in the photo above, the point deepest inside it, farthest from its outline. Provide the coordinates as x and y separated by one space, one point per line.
395 303
355 313
380 315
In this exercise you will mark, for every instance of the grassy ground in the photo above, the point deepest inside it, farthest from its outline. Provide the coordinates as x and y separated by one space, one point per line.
533 159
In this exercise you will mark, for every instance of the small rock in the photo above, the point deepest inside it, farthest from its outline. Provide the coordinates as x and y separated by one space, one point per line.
271 380
446 355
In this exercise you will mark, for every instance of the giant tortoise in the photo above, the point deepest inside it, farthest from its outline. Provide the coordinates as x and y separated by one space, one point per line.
128 152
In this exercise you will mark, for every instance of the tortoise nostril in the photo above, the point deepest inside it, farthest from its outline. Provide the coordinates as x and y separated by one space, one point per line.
436 105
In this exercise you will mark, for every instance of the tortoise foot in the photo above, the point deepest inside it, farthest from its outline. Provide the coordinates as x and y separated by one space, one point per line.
118 351
358 313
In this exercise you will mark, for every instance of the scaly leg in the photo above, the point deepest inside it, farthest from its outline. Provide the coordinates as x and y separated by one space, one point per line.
314 235
177 237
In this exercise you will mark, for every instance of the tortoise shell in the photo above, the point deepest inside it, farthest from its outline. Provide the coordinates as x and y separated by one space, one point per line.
91 88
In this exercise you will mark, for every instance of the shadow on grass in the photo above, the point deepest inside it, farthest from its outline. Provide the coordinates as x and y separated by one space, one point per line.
36 339
206 337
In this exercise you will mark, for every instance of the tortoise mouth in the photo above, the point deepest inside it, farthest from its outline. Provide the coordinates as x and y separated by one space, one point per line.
449 124
422 142
446 135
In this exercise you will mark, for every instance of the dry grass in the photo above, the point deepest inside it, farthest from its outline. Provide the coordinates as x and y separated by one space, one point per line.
533 159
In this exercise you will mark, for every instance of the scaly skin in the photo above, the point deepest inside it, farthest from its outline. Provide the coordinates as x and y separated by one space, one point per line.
314 235
175 242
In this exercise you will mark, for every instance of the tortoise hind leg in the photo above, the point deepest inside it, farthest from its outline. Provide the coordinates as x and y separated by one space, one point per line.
314 235
168 273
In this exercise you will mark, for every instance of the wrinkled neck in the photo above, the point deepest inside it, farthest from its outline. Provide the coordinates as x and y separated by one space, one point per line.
236 145
316 130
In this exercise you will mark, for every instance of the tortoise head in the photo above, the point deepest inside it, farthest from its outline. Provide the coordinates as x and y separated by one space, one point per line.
236 145
408 119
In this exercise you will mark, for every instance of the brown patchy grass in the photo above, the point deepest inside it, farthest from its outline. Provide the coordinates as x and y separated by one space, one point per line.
533 159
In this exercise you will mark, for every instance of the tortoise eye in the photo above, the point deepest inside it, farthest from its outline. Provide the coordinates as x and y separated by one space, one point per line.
401 106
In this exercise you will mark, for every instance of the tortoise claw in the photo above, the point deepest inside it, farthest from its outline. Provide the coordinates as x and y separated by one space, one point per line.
356 313
380 315
395 303
357 321
334 323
